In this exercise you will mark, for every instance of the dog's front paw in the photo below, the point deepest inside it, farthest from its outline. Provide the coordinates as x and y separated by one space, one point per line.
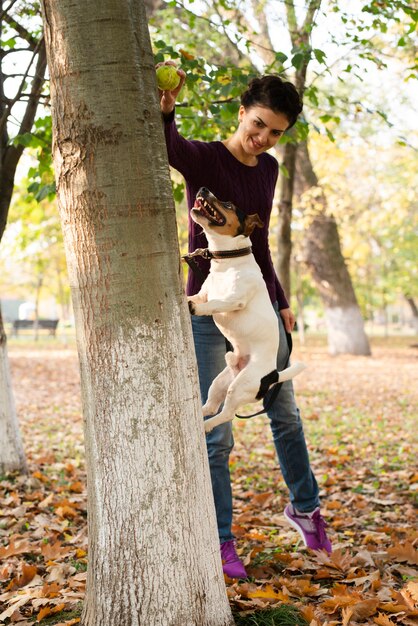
192 307
208 426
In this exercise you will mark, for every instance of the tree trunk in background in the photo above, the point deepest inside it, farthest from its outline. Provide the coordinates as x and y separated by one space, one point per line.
10 153
300 37
11 451
322 251
154 554
322 254
284 234
414 311
152 6
12 457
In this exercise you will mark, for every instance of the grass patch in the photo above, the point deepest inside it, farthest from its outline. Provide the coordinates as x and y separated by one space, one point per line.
283 615
62 615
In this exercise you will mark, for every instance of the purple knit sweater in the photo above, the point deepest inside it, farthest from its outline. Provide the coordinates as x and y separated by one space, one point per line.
251 189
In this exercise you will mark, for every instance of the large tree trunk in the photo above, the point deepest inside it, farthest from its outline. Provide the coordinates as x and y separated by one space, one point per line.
322 254
12 457
153 548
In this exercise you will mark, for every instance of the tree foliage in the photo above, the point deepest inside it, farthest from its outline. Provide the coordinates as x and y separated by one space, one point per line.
22 88
221 44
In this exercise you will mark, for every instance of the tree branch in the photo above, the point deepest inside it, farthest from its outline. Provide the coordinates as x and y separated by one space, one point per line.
21 30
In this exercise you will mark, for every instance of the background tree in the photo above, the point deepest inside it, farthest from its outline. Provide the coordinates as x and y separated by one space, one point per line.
377 215
33 254
24 90
153 548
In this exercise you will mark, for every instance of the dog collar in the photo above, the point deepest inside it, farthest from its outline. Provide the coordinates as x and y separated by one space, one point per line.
211 254
218 254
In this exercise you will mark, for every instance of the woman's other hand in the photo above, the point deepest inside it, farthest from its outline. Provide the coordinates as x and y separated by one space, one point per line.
288 319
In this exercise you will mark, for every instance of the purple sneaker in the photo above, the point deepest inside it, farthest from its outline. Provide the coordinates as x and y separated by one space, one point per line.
310 526
231 563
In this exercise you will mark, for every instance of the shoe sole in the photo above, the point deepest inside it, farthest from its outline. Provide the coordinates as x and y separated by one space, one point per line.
296 527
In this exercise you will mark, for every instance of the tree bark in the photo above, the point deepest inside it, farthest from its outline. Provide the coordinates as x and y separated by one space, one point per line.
284 231
322 254
414 311
154 554
12 456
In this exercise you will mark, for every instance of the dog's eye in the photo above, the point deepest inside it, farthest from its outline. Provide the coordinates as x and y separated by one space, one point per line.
228 205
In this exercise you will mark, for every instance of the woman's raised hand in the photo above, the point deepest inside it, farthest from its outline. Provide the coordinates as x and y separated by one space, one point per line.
168 98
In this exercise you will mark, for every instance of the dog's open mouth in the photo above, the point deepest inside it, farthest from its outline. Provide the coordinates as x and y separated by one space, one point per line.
210 212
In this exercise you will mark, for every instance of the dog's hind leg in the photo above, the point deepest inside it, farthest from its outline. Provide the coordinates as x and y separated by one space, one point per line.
241 391
217 391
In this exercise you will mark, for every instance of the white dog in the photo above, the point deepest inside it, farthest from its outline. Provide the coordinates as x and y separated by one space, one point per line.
236 295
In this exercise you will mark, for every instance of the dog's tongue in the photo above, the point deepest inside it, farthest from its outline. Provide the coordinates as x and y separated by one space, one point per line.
196 204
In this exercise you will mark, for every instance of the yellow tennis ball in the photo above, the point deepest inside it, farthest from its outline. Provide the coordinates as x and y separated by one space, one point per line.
167 77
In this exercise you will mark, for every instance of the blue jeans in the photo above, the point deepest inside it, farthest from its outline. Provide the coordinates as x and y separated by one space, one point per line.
285 422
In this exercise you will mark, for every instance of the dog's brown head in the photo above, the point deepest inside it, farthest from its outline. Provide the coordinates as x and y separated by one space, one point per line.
223 217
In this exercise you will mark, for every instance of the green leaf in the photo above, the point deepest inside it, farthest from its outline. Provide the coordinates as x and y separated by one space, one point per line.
23 140
297 60
311 94
9 43
45 191
330 135
319 55
281 57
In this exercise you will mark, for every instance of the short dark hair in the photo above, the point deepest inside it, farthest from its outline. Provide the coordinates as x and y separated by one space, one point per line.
274 93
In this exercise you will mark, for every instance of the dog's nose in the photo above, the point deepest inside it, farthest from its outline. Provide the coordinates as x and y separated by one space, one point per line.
203 190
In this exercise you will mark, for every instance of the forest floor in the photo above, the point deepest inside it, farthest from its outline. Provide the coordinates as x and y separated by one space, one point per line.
361 425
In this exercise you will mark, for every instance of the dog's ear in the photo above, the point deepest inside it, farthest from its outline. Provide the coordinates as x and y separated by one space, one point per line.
251 221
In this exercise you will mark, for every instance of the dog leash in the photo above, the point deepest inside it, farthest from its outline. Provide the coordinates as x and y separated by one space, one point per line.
205 253
274 389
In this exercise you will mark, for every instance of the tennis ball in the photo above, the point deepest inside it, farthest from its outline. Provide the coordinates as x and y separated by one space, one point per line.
167 77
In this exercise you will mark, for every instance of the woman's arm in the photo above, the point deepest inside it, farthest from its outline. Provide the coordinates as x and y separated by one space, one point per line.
187 157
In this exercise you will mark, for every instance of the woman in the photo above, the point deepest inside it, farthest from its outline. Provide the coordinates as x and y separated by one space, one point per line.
238 169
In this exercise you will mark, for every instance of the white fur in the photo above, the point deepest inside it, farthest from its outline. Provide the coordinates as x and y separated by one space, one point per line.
236 295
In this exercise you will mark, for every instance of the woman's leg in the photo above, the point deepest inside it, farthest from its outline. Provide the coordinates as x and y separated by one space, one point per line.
289 439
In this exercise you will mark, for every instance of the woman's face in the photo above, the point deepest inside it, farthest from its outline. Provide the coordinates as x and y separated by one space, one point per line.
260 128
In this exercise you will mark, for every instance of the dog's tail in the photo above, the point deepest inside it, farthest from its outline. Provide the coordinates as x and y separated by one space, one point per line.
291 372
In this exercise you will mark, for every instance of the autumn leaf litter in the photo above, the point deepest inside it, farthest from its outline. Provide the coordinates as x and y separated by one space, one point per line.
360 417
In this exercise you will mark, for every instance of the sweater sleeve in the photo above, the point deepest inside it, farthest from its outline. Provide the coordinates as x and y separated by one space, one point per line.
184 155
281 298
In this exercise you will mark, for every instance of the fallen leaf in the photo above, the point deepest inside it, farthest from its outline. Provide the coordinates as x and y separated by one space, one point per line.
412 589
13 549
54 551
404 552
347 614
383 620
266 592
365 608
48 610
